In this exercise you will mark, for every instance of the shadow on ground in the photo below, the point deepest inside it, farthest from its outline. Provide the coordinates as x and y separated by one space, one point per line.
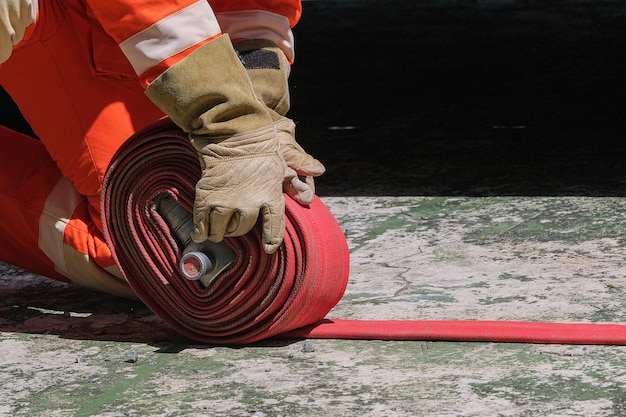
36 305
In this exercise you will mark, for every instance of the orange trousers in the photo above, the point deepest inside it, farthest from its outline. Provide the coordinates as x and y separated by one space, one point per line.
83 100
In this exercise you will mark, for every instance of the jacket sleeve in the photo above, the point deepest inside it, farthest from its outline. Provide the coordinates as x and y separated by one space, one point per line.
15 17
270 20
156 34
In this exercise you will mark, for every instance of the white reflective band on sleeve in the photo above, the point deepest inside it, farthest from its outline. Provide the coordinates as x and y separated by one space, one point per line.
34 9
258 24
59 207
171 35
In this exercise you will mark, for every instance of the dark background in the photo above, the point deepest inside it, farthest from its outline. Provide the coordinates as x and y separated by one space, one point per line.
460 97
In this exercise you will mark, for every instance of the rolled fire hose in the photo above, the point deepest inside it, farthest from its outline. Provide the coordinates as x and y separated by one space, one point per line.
259 296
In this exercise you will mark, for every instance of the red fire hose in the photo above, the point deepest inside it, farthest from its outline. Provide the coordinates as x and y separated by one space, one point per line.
284 295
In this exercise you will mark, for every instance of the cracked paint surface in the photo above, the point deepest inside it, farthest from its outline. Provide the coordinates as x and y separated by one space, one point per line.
64 347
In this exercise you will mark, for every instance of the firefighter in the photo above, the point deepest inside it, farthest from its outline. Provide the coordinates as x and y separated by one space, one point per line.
87 74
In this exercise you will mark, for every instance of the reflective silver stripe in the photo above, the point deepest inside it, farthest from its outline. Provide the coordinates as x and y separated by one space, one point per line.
60 205
170 36
34 9
259 24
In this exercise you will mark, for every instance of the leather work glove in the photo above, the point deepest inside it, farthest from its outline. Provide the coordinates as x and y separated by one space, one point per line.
209 95
242 175
300 167
15 17
268 70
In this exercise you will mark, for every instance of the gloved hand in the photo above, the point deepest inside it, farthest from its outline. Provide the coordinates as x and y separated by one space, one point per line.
242 176
209 95
268 70
300 167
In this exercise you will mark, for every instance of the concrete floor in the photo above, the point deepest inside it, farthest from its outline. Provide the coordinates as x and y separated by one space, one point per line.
475 162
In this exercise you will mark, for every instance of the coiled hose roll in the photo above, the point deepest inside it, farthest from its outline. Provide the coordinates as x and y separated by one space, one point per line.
260 295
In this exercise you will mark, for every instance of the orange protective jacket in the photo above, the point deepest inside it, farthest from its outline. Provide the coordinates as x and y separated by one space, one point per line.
77 70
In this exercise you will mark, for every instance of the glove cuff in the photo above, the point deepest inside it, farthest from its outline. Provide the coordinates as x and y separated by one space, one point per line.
209 93
268 70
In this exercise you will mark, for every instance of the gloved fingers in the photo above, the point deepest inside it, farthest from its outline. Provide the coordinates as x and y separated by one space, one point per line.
201 227
223 222
242 177
273 224
303 163
313 168
212 223
242 221
293 154
299 189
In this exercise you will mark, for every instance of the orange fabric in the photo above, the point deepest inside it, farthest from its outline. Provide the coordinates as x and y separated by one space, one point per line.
82 234
124 18
83 100
27 175
78 92
291 9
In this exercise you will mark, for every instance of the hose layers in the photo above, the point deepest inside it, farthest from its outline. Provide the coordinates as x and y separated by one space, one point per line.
260 295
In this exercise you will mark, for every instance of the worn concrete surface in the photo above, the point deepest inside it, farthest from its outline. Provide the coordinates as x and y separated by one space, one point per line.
475 162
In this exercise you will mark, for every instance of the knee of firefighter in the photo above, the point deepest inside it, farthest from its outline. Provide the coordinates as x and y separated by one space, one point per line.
82 270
